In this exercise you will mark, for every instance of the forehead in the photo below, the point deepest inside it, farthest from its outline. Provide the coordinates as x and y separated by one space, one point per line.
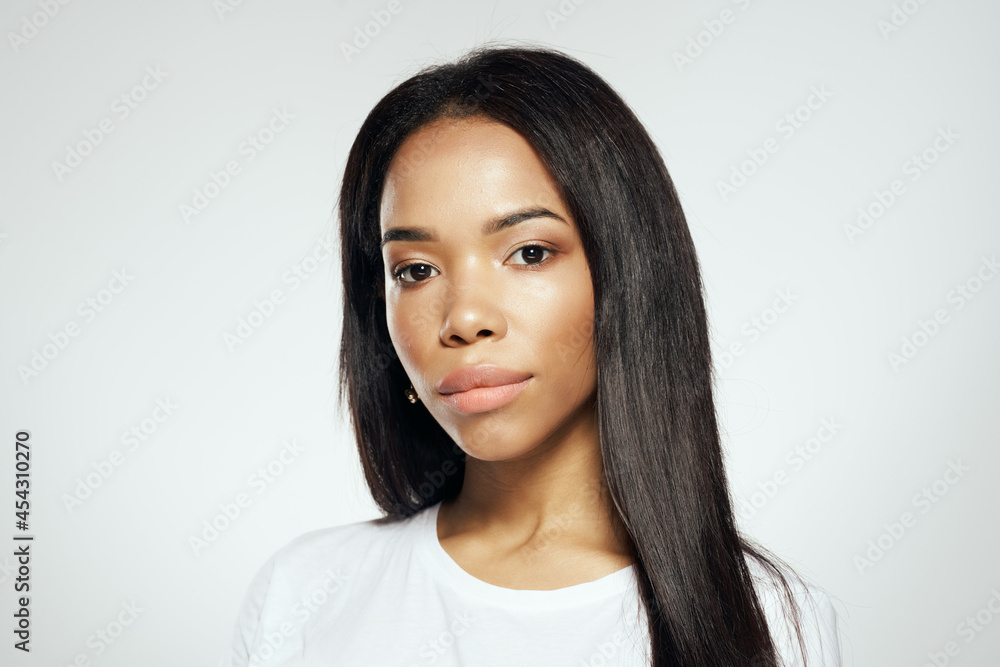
469 167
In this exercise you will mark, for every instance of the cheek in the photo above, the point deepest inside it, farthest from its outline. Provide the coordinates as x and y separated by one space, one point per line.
412 328
562 327
400 324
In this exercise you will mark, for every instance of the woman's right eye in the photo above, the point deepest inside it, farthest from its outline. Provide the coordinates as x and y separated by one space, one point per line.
419 273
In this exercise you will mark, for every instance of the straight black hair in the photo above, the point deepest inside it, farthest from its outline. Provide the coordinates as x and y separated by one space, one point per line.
660 443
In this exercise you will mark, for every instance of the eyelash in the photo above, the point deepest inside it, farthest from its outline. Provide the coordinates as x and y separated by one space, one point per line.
399 271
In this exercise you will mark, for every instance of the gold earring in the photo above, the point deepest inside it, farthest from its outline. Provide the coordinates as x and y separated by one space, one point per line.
411 394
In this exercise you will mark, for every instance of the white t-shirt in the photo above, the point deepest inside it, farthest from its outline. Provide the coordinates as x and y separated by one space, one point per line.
389 595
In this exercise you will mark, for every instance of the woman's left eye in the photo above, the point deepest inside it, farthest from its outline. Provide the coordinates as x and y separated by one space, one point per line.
533 254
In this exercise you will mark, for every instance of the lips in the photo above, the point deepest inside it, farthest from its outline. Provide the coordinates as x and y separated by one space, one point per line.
482 388
483 375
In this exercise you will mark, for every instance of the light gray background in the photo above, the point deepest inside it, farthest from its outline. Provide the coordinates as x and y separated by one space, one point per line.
900 426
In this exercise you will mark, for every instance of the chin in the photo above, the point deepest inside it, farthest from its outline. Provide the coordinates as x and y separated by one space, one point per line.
493 454
491 441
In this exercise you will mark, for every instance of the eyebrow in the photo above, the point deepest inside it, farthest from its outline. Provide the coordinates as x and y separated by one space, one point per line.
489 227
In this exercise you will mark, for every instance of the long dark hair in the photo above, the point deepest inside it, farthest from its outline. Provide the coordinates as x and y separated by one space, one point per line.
659 437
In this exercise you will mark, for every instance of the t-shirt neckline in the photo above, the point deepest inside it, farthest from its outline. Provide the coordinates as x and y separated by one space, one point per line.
447 570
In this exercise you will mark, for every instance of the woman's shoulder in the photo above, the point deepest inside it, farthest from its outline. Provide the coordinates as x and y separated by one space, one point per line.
331 558
365 534
318 570
341 547
788 600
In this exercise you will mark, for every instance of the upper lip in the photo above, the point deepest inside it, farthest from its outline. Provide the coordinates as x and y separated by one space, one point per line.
483 375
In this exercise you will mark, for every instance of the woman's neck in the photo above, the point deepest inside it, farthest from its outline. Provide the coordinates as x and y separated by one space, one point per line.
548 512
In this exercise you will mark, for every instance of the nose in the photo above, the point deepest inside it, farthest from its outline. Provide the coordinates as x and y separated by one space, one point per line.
473 312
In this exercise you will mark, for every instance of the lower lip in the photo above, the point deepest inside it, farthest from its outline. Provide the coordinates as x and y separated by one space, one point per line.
484 399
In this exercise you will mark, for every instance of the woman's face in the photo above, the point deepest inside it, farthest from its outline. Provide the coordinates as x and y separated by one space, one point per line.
460 294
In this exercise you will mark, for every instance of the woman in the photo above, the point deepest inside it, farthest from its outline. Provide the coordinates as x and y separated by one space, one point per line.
526 360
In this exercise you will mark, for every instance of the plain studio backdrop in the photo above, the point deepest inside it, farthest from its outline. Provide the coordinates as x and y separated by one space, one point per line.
170 308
